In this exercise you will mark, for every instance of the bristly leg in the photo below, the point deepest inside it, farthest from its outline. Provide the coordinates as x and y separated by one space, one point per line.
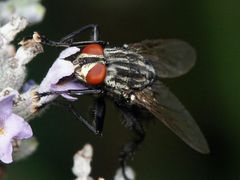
98 109
68 40
98 113
94 33
83 120
131 147
71 92
98 117
69 106
45 41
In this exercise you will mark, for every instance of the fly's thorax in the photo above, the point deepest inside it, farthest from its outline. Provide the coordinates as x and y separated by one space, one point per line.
90 68
127 70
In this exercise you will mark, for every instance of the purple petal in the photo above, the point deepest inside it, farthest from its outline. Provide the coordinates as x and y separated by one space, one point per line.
26 131
6 103
12 125
60 69
68 85
6 156
68 52
17 127
4 145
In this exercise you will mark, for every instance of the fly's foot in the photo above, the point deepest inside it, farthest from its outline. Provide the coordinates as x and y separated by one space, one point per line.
98 133
126 154
123 166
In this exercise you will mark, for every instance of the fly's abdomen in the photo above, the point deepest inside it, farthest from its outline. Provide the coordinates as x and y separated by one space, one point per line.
127 70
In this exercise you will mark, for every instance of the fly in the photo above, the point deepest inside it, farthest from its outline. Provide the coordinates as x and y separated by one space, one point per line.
131 76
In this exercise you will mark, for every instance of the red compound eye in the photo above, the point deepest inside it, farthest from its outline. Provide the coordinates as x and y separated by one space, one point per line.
96 75
93 49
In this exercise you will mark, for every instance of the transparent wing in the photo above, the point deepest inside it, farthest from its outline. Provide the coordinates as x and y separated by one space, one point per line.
170 57
169 110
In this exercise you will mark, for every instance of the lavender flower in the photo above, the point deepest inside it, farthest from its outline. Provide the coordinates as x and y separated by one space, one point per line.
12 127
59 77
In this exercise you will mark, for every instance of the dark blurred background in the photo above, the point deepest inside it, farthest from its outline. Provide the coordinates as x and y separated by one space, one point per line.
210 91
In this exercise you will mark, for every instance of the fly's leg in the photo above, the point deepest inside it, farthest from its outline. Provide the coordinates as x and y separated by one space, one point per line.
45 41
98 112
94 34
68 40
79 117
71 92
98 118
129 150
84 43
131 147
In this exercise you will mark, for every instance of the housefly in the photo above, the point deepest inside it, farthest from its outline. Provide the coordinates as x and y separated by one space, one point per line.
131 76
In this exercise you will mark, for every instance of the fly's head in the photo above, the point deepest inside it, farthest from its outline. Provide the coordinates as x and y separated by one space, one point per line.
90 65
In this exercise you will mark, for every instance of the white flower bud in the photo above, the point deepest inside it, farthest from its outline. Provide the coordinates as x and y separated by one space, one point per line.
81 163
129 173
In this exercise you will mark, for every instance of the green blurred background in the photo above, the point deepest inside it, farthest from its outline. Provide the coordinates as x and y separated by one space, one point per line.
210 91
